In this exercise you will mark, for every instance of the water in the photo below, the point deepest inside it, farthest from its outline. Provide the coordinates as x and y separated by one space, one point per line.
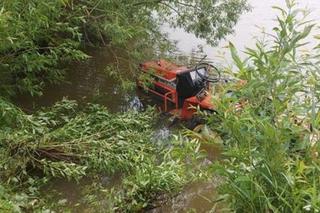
72 193
88 81
262 17
197 197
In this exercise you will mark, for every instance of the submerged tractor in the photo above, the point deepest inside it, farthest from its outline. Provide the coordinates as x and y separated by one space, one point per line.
182 90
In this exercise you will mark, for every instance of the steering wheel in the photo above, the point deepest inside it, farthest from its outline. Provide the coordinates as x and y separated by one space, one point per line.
208 67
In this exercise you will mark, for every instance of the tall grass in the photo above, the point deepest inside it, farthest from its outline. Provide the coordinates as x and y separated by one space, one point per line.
272 143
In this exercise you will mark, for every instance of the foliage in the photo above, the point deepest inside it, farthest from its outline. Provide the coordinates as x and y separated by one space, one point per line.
5 202
70 142
25 200
210 20
59 143
272 141
37 37
150 182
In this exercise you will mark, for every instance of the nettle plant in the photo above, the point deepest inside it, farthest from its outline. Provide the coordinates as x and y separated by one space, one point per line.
272 142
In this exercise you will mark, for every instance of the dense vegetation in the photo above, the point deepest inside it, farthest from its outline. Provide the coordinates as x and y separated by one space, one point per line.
69 142
38 36
272 142
269 126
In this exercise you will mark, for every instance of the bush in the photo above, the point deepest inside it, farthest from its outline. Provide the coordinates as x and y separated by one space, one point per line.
272 142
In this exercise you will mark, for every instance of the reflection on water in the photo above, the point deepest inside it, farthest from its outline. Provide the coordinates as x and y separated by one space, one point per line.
86 81
249 27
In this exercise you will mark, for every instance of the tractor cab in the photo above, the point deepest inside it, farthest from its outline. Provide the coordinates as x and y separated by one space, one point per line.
181 89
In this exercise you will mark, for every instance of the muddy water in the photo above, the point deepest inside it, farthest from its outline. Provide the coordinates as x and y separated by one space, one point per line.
196 197
86 82
72 195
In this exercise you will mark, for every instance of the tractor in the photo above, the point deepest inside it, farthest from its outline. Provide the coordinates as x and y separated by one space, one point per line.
182 90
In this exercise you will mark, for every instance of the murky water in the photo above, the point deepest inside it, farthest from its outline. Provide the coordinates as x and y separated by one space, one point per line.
71 194
196 197
262 17
88 81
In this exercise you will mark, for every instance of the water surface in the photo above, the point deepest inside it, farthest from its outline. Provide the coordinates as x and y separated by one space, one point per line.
261 18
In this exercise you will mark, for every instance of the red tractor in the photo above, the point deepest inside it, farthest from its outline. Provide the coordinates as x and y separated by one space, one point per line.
182 90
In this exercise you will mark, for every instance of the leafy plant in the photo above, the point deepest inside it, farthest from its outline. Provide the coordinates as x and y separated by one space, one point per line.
272 141
38 37
70 142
